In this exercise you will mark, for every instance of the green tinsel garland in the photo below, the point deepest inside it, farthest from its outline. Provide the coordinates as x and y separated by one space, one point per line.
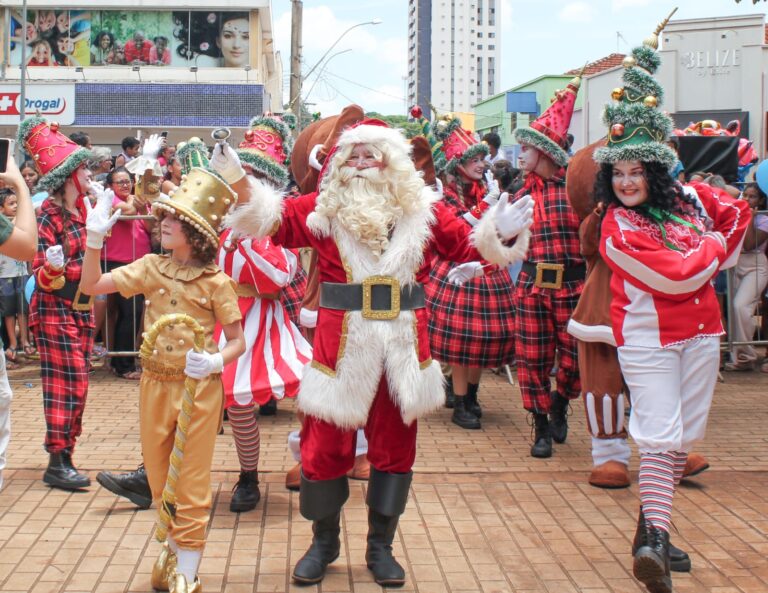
647 58
646 152
469 154
267 167
644 84
542 143
636 114
442 129
280 127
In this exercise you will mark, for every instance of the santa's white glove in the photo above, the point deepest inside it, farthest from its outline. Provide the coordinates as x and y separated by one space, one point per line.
513 219
202 364
100 217
152 146
226 163
54 255
464 272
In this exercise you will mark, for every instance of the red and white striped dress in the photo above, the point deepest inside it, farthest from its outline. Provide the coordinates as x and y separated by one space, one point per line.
276 352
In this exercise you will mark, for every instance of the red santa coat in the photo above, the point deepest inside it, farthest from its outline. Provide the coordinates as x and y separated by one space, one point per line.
350 353
664 296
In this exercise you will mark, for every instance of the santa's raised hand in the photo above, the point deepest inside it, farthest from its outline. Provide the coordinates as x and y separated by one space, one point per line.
513 219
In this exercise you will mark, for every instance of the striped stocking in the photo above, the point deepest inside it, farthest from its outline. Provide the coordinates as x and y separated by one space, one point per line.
681 458
245 429
657 486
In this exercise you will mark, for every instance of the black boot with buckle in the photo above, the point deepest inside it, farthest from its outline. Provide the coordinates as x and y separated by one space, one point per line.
387 495
321 502
60 473
472 404
462 416
558 417
246 494
131 485
679 561
542 438
651 564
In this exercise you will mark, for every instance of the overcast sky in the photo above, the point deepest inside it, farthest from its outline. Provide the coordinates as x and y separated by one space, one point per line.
538 37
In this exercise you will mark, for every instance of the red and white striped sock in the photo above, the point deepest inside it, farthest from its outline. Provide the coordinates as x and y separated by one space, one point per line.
681 458
245 429
657 487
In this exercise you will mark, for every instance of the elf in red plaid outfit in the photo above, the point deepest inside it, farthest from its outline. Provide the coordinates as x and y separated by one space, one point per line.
472 319
58 314
552 276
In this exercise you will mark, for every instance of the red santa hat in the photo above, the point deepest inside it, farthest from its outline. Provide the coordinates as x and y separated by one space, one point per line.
548 133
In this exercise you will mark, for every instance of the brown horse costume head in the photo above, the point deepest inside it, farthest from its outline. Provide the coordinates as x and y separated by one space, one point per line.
580 180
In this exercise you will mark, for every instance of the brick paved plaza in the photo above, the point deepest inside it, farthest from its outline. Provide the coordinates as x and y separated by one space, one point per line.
483 516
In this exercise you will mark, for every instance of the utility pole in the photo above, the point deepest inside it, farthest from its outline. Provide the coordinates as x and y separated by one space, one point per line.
295 100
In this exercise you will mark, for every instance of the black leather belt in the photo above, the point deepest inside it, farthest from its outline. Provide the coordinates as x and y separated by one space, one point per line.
547 275
378 297
71 292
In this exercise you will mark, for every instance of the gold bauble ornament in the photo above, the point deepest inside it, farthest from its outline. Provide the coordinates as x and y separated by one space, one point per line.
650 101
617 94
629 62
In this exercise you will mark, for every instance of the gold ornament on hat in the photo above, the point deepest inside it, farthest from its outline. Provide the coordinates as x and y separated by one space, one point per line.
629 62
650 101
201 200
617 94
653 40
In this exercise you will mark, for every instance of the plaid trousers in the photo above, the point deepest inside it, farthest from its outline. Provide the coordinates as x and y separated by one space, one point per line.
65 351
540 327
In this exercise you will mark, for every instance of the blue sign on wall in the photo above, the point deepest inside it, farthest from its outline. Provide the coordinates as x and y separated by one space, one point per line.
522 102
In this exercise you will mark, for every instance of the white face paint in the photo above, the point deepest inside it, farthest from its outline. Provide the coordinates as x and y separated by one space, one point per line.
528 159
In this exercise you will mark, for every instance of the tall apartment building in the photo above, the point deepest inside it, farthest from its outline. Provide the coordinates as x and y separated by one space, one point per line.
454 52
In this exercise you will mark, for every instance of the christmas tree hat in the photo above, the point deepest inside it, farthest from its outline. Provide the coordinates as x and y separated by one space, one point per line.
192 153
637 128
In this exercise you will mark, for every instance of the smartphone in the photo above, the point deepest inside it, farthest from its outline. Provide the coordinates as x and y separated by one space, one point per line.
164 133
6 152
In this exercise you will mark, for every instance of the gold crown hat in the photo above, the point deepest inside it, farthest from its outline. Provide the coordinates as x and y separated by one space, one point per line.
202 200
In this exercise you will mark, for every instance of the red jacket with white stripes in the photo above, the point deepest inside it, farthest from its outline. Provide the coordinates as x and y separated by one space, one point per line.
662 273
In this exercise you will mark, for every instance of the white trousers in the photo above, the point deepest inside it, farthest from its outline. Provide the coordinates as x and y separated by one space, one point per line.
749 279
671 390
5 413
604 450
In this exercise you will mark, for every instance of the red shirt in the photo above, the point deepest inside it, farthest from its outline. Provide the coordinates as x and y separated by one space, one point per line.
133 53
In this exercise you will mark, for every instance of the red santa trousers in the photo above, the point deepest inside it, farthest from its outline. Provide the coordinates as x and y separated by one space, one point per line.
328 452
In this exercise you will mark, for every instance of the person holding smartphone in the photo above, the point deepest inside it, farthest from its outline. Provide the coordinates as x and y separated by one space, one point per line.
18 240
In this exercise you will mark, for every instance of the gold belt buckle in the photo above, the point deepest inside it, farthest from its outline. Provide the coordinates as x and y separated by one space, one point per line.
394 298
82 302
543 267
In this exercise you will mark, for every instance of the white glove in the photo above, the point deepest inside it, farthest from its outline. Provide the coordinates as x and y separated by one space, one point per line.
493 189
226 163
100 217
513 219
152 146
464 272
202 364
54 255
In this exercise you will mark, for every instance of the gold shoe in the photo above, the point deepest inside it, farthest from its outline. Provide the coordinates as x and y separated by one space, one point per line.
180 585
163 569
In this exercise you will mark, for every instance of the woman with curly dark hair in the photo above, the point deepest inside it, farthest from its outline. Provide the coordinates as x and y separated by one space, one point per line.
664 243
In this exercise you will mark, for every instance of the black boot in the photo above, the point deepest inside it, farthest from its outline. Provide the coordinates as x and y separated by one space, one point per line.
449 396
60 473
463 417
132 485
679 561
387 495
542 438
268 409
651 561
246 494
558 417
321 502
472 404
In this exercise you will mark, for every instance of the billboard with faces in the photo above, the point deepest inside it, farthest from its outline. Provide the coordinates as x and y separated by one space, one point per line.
131 38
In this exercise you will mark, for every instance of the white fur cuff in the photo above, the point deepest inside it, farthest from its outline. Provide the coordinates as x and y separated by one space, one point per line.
488 243
307 318
260 215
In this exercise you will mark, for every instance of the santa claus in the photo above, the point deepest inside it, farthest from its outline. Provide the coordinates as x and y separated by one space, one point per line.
375 225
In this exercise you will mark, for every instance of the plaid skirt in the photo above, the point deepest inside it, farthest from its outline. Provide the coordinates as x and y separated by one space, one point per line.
471 325
292 295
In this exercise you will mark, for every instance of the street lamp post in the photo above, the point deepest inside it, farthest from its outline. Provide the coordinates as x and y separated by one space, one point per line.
297 98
